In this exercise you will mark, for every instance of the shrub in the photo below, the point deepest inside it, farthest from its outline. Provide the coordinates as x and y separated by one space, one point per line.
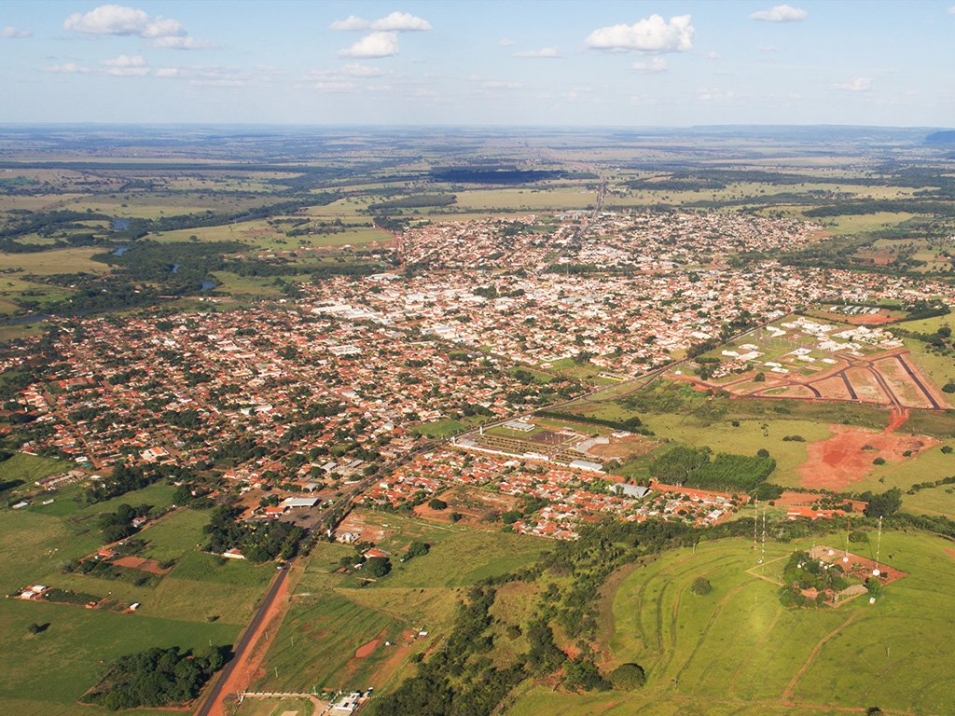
628 677
701 586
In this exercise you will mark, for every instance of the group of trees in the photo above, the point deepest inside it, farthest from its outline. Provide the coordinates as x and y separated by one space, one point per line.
125 478
632 424
119 524
693 467
157 677
258 541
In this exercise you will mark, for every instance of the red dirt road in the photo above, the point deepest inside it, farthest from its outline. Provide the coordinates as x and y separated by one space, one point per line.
248 661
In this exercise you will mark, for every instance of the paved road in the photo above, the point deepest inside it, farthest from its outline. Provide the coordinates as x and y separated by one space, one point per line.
215 694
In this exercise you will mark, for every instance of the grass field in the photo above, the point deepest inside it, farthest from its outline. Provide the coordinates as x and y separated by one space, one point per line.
749 437
275 707
333 614
738 651
444 428
199 603
30 468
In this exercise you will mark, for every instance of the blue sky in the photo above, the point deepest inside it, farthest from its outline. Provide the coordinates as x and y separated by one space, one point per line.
496 62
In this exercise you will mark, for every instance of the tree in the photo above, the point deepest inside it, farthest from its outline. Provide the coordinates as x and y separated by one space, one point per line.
628 677
885 504
701 586
377 567
436 504
417 549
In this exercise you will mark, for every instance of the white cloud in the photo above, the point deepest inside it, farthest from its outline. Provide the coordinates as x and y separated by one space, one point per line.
180 43
506 42
211 76
712 55
377 44
543 53
334 85
766 48
657 64
951 10
121 20
14 34
780 13
859 84
714 95
350 23
69 68
400 22
126 66
340 78
357 70
395 22
502 84
652 34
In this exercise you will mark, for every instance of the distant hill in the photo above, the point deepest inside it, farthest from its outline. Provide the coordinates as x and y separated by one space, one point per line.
944 137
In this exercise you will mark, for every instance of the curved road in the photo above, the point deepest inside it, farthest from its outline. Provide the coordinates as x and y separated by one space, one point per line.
214 695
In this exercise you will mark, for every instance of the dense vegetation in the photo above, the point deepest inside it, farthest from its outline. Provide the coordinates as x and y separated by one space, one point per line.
157 677
258 541
694 467
493 175
632 424
125 478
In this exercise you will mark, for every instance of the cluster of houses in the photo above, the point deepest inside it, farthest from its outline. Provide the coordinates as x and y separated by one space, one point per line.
324 388
571 497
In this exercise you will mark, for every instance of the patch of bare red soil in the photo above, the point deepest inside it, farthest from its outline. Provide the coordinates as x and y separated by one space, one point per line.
143 565
846 458
366 650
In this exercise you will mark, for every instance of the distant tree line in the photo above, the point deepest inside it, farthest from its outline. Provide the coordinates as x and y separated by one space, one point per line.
415 201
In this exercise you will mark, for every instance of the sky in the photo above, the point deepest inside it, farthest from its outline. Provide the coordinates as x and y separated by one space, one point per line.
495 62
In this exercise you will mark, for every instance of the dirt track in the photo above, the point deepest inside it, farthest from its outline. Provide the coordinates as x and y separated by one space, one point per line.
250 652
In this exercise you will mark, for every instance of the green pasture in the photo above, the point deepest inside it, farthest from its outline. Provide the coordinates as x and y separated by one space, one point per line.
275 707
926 325
201 602
49 263
738 651
439 429
37 202
564 198
75 646
175 535
203 567
933 500
30 468
747 439
929 465
860 223
334 614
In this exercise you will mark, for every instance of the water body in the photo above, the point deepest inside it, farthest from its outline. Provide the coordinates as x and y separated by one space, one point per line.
175 268
120 224
206 285
120 251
